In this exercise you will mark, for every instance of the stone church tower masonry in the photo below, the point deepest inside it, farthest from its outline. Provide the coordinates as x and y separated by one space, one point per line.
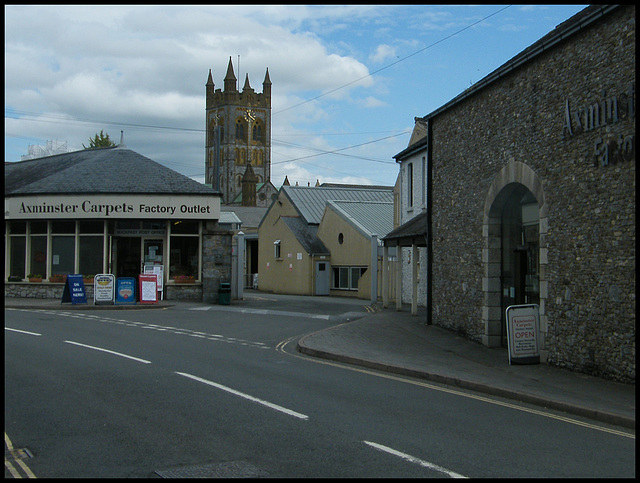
238 134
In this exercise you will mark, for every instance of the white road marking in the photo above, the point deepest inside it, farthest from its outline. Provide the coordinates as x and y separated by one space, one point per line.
22 331
108 351
413 459
264 312
245 396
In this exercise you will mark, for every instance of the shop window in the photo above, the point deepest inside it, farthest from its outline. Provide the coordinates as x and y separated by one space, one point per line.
90 254
18 227
62 254
127 225
38 228
184 256
63 227
18 256
38 256
184 227
155 225
347 278
91 226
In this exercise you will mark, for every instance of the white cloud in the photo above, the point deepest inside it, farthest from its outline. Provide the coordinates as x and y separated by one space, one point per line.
136 66
383 53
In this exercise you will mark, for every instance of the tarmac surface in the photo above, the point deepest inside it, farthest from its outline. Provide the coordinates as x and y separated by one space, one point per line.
396 342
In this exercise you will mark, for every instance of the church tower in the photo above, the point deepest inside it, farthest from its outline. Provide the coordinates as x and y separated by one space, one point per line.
238 134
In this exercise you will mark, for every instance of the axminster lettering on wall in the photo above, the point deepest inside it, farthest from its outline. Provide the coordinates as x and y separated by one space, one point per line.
604 111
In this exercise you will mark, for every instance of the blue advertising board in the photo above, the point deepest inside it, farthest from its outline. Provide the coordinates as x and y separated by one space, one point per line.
74 291
125 291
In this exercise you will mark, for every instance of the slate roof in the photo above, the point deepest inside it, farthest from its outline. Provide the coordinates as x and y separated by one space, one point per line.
310 202
251 216
115 170
369 217
306 235
413 231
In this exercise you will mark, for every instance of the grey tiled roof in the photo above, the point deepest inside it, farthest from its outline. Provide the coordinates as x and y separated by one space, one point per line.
105 170
414 230
369 217
311 201
251 216
306 235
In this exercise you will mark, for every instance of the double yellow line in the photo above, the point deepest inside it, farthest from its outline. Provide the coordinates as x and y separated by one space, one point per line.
16 456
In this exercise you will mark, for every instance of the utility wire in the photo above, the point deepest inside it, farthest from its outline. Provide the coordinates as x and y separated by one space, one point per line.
393 63
337 151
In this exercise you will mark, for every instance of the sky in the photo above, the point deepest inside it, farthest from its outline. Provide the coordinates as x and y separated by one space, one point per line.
347 80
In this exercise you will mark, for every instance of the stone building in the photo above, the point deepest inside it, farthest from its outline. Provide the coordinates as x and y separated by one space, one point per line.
529 187
238 135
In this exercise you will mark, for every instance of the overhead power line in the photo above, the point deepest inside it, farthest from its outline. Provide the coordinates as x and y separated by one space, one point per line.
56 118
393 63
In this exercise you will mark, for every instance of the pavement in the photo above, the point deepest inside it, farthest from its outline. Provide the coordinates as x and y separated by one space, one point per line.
396 342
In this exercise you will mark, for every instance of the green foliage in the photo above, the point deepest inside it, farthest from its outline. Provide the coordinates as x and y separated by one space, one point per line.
101 140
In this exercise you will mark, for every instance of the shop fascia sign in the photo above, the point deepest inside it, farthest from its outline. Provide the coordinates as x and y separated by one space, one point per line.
184 207
603 111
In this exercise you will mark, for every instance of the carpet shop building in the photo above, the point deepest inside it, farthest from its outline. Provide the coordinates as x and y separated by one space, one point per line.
111 210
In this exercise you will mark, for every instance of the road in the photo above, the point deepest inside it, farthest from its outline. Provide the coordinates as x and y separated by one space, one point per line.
220 391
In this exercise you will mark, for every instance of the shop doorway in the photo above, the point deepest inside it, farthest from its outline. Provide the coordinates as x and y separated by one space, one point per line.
520 246
130 254
515 220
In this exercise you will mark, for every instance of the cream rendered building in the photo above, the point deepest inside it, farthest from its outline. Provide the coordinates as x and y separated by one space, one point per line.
306 227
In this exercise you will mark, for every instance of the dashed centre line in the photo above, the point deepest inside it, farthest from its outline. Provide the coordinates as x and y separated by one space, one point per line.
156 327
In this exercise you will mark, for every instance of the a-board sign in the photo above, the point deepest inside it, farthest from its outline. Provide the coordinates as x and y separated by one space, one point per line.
148 289
104 289
523 334
159 271
125 291
74 291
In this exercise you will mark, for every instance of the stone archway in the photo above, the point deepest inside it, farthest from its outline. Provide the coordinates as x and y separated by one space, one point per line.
515 181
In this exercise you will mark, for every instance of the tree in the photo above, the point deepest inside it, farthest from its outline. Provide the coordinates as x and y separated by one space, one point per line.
100 141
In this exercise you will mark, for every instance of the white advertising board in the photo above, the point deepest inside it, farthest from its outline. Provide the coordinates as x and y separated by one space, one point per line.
523 334
104 289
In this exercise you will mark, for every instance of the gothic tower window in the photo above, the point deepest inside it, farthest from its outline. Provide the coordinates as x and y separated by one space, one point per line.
240 135
257 132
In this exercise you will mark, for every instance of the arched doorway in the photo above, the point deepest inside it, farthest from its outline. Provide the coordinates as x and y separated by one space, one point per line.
514 258
520 245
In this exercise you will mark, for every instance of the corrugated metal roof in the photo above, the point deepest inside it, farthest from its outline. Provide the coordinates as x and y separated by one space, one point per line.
311 201
106 170
370 217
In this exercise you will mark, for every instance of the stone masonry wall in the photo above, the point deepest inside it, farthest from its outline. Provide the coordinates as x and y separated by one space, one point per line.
588 280
216 260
